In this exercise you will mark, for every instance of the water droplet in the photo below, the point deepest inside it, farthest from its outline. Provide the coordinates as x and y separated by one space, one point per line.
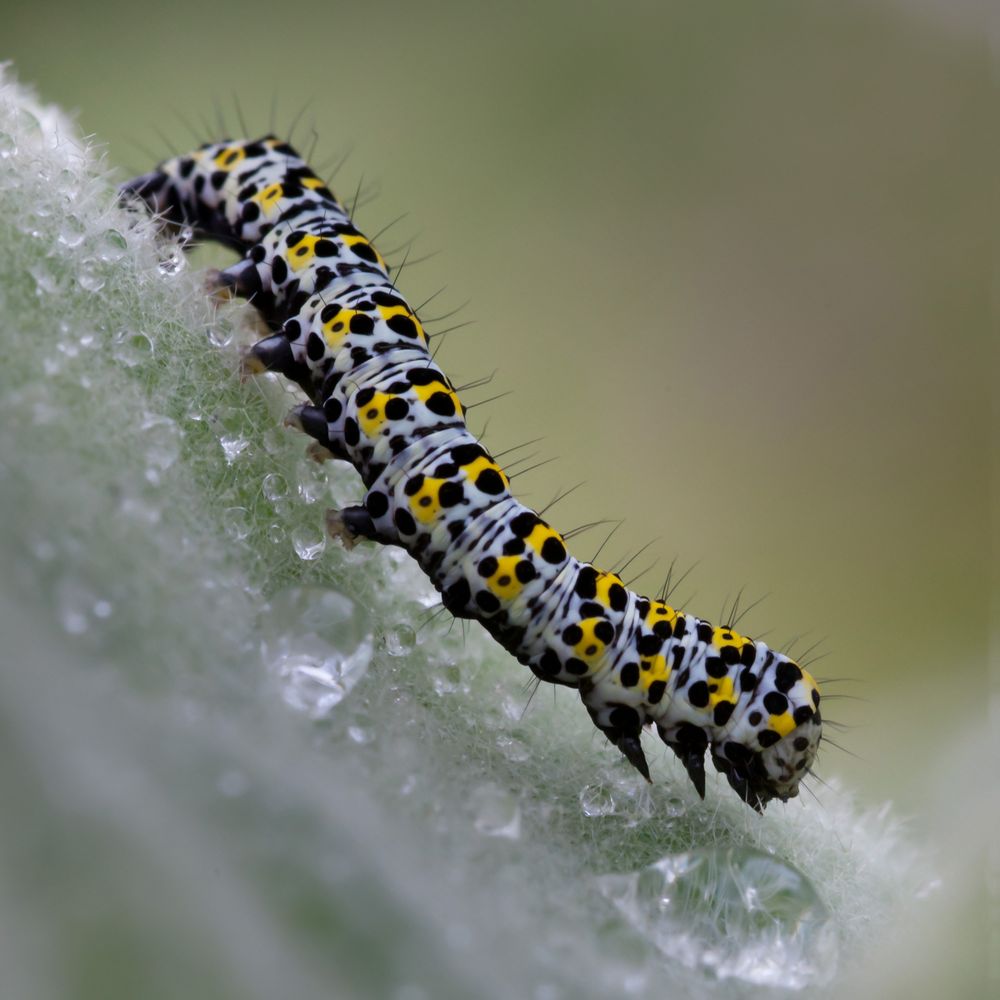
497 813
228 423
8 146
513 749
359 735
171 260
74 605
162 444
70 348
309 543
597 800
72 232
672 805
90 279
733 912
69 187
236 522
74 622
233 446
140 508
111 246
131 348
311 481
274 486
275 533
47 282
344 492
25 121
275 439
43 549
514 706
220 333
400 640
447 679
317 643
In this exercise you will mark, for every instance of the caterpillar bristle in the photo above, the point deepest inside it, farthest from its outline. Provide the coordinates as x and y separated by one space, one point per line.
239 114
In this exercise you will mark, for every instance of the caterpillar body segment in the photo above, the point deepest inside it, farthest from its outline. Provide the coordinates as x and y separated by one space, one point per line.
343 332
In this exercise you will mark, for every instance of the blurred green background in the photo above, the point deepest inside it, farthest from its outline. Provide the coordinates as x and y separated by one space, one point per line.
730 258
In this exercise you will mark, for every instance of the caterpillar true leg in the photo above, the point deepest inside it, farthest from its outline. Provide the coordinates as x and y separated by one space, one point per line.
318 453
312 421
350 524
272 354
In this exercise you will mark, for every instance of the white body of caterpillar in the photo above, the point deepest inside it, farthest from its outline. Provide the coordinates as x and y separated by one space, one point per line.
344 333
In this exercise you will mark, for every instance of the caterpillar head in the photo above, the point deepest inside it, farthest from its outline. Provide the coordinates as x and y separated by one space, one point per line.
772 743
768 743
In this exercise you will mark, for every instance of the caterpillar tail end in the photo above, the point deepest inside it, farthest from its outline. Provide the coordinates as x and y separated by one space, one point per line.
144 188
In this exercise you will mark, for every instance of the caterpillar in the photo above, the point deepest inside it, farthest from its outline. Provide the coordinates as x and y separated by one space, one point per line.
341 330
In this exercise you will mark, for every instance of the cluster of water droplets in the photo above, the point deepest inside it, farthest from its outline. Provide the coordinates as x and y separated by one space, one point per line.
316 644
81 245
732 913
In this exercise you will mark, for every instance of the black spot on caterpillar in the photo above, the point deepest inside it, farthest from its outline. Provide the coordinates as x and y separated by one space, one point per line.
344 333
